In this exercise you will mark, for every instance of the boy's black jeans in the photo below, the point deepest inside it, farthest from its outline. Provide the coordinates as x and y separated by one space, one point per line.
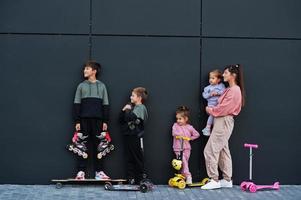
91 127
135 158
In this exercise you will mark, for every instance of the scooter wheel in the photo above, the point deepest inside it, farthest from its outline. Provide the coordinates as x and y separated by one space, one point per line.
205 181
143 188
170 182
181 184
243 186
252 188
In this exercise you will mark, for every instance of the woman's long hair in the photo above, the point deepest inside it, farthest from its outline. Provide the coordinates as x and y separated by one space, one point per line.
237 69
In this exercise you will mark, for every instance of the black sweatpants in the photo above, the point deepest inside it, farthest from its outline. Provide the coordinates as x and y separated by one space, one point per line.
135 158
91 127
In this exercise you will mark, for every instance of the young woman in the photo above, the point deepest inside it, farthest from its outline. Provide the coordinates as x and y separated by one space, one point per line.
216 152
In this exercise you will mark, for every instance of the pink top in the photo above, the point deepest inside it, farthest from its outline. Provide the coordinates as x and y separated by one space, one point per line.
229 103
185 130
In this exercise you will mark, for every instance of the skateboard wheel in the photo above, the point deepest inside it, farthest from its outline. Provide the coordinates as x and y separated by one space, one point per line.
85 156
253 188
58 185
181 184
112 147
99 156
143 188
108 186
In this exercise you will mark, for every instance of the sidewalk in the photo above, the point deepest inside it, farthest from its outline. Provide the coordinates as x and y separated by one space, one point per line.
80 192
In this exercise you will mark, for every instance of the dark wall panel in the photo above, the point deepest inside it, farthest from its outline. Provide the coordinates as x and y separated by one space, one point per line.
169 17
37 81
34 16
267 18
169 69
272 111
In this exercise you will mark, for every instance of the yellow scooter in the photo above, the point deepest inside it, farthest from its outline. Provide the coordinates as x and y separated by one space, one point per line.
179 180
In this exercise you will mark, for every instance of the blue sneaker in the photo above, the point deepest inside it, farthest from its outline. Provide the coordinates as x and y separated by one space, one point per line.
101 176
206 131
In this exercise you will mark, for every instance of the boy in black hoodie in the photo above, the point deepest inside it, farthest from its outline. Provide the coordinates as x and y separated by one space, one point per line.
91 115
132 119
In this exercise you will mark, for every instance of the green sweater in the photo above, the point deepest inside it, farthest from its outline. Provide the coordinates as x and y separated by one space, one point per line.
91 101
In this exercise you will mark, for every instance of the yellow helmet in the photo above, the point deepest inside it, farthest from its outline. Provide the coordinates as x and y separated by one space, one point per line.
177 164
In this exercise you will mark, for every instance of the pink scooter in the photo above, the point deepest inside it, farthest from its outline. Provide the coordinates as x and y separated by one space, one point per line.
249 185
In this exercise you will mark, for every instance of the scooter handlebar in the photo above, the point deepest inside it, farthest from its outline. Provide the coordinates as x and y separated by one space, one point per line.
183 137
255 146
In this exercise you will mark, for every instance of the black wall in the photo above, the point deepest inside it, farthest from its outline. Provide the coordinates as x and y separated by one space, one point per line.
168 47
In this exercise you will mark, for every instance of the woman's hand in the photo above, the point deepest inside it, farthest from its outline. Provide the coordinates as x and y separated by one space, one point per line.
208 110
214 94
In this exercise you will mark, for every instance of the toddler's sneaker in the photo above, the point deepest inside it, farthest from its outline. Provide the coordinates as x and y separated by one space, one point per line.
101 175
206 131
80 175
188 180
226 184
212 184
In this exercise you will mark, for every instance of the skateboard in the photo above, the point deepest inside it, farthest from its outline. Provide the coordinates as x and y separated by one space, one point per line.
60 182
144 186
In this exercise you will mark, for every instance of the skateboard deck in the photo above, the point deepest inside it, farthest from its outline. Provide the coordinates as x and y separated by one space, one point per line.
60 182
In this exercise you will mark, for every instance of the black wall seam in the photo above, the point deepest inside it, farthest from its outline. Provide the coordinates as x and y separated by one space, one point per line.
90 35
90 31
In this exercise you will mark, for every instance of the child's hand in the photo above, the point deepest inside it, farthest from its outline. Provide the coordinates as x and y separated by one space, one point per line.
77 126
127 107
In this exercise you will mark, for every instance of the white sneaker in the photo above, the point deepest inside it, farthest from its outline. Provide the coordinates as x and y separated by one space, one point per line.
188 180
226 184
80 175
101 175
212 184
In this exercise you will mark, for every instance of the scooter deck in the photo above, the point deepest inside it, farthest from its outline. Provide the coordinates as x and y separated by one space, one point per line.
124 188
143 187
61 182
198 184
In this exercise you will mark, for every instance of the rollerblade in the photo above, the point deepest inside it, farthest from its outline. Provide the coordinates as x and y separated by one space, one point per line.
105 145
78 145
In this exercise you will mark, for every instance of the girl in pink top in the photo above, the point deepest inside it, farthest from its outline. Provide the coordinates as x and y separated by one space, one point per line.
183 128
217 153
